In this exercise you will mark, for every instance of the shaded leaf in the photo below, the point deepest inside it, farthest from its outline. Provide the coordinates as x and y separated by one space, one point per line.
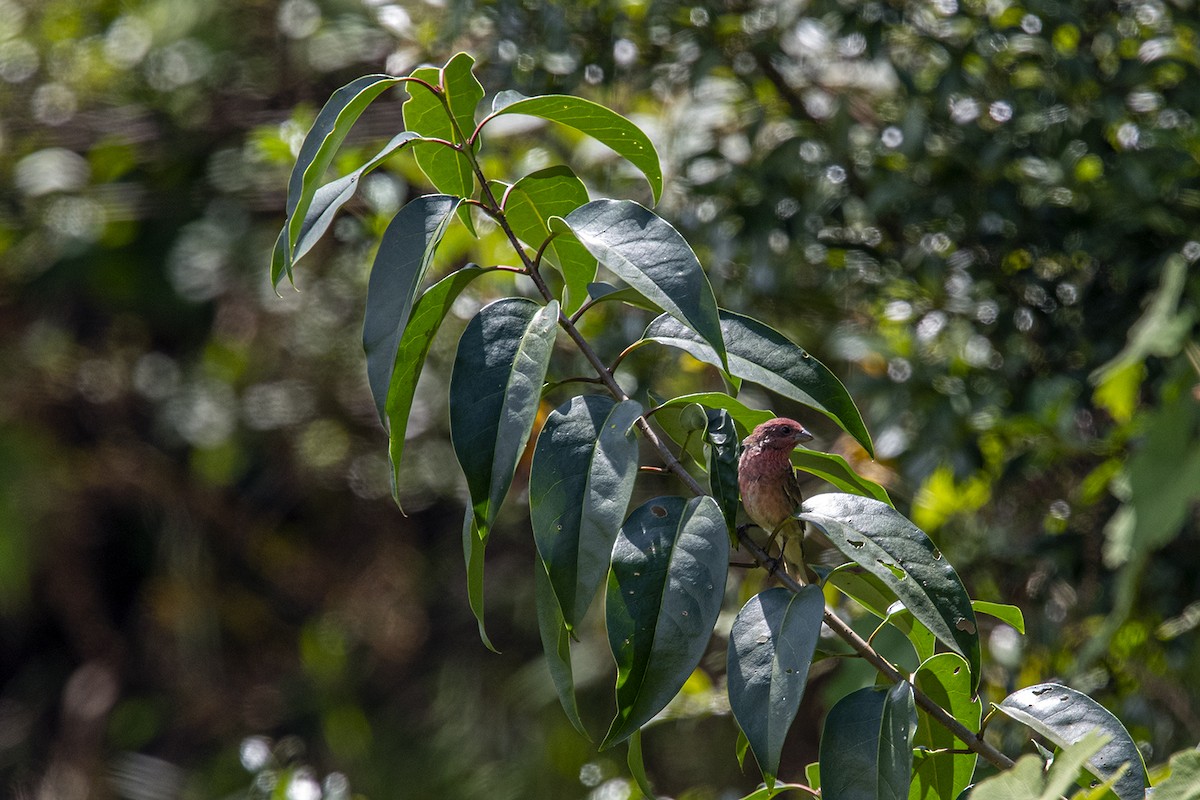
637 767
423 323
473 547
866 747
495 388
580 482
602 124
664 594
643 250
321 142
529 205
1065 716
764 356
405 253
556 644
886 544
946 679
721 442
607 293
771 646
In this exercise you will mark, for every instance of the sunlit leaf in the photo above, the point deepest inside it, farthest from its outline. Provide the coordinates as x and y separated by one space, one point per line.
494 392
580 482
1184 781
664 593
408 247
643 250
946 679
473 547
882 541
1028 779
602 124
637 767
762 355
866 746
328 131
1065 716
423 323
1010 615
770 650
834 469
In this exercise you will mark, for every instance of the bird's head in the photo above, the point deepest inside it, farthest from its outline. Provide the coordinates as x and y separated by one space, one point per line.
780 433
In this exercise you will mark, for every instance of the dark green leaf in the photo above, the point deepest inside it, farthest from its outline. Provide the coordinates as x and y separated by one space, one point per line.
495 388
580 482
886 544
1064 716
770 650
423 323
404 255
335 194
529 205
946 679
602 124
643 250
607 293
762 355
721 442
556 643
328 131
866 747
664 594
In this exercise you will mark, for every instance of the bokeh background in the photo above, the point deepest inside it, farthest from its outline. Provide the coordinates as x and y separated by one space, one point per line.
983 215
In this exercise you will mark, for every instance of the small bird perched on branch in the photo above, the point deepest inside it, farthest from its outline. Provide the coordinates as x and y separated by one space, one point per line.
767 481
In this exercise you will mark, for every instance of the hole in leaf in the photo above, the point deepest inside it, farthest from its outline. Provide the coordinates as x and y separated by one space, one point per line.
895 570
1042 691
855 543
658 511
937 554
966 625
957 670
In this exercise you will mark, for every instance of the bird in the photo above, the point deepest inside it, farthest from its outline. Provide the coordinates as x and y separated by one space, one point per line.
767 481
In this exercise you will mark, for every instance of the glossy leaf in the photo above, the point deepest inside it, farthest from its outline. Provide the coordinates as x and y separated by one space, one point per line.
328 199
747 418
771 646
1064 716
580 482
328 131
835 470
764 356
866 747
721 443
529 205
1010 615
556 644
664 594
946 679
643 250
495 388
607 293
423 323
600 123
448 170
405 253
886 544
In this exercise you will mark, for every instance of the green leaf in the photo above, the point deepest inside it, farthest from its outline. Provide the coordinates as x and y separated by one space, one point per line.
1184 781
473 547
748 418
328 131
448 170
593 119
762 355
423 323
946 679
887 545
637 767
607 293
580 482
1007 614
495 388
556 643
643 250
834 469
771 646
328 199
529 205
866 747
404 255
1065 716
664 594
721 442
1029 780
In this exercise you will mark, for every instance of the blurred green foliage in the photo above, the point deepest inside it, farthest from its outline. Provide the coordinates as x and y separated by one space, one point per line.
983 216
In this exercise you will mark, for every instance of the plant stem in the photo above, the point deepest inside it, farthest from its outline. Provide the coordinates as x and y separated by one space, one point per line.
974 741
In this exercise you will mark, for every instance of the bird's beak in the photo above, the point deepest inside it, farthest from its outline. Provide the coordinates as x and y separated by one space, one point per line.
803 436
